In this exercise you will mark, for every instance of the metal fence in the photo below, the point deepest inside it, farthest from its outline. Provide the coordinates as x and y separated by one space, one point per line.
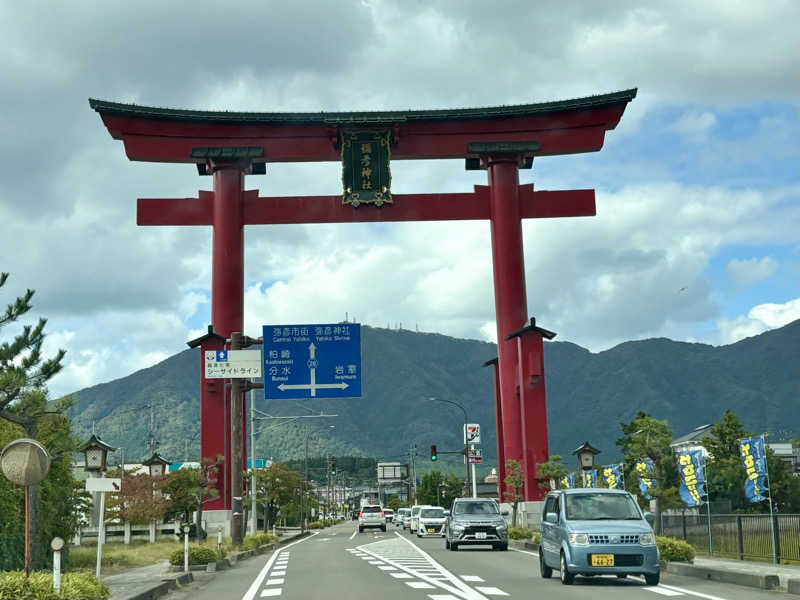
738 536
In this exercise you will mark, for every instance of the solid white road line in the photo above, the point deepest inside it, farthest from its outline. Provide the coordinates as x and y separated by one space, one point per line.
663 592
474 578
355 533
691 592
536 554
256 585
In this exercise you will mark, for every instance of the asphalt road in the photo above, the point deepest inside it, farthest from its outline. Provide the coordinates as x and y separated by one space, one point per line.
339 563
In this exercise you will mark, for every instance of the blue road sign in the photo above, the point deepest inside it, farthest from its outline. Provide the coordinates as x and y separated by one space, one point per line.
312 361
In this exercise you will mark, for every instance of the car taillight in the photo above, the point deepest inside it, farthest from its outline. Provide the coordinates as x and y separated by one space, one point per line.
360 514
383 514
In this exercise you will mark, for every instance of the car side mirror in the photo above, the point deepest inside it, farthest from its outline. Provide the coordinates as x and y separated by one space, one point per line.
505 512
650 518
551 517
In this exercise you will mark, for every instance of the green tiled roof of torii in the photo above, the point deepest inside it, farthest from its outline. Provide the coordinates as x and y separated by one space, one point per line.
346 118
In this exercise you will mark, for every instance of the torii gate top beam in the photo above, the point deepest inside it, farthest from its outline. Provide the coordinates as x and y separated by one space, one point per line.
169 135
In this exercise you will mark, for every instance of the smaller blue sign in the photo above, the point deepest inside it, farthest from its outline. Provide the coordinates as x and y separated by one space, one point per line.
312 361
222 356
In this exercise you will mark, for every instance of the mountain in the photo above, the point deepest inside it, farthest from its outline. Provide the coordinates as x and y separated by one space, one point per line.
588 395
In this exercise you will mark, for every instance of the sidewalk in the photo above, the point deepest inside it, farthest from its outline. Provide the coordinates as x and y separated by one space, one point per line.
742 572
131 583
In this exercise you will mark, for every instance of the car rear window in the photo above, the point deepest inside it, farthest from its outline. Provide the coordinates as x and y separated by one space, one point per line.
475 508
371 509
432 513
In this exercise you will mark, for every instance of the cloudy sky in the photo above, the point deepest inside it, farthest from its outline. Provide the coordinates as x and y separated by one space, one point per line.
696 236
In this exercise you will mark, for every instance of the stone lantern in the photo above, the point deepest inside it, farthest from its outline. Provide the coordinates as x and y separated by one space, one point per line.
157 464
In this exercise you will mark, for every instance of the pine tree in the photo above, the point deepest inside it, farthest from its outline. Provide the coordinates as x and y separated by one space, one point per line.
23 375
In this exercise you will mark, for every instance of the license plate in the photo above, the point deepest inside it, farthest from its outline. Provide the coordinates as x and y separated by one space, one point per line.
602 560
431 530
480 535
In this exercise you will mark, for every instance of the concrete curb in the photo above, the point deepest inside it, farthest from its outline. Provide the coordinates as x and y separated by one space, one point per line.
754 580
162 589
793 586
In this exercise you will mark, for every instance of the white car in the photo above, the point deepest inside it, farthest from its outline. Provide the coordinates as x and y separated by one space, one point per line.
413 521
402 516
431 521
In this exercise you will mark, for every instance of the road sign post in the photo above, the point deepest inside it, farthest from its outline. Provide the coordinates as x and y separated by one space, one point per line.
102 485
312 361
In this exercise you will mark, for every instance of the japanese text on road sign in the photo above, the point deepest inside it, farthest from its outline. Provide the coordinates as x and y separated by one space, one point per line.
224 364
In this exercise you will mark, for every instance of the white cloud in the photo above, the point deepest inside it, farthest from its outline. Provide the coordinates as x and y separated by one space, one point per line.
758 320
750 270
695 125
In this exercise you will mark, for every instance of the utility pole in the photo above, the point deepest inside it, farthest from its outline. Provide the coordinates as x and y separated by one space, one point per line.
237 440
254 521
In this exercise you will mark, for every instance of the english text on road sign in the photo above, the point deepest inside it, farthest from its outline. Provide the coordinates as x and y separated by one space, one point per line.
472 433
225 364
312 361
103 484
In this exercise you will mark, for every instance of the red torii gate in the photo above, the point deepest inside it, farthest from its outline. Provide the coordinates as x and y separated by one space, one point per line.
229 145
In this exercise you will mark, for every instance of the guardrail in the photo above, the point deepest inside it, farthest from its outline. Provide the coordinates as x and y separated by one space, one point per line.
126 532
738 536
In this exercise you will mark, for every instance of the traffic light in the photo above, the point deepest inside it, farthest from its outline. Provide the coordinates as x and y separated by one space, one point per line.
333 467
434 454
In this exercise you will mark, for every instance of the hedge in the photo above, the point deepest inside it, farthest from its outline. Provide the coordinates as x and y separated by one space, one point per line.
519 533
251 542
674 549
74 586
198 555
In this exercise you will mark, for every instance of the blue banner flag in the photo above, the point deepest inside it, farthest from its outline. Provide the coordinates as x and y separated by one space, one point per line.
645 469
754 461
613 476
568 481
590 478
692 467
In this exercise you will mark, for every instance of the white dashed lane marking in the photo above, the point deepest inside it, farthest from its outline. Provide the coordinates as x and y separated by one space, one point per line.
407 561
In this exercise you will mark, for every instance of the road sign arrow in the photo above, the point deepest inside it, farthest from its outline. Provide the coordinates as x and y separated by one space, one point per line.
307 386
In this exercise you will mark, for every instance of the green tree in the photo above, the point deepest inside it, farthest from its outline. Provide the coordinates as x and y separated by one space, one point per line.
551 472
24 373
643 437
189 490
724 468
515 481
140 501
281 486
428 490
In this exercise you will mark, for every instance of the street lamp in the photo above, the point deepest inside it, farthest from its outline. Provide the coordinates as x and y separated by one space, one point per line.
95 452
157 465
463 410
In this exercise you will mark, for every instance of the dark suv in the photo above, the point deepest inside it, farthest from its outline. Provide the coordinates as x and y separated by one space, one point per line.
475 521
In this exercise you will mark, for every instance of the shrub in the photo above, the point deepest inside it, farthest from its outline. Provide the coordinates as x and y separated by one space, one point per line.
198 555
315 525
537 537
74 586
674 549
251 542
519 533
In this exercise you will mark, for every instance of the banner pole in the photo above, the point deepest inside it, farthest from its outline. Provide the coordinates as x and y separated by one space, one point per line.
769 492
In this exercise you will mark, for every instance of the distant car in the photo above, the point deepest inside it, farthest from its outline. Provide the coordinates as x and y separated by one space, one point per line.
431 521
371 516
597 532
412 519
475 521
402 516
388 513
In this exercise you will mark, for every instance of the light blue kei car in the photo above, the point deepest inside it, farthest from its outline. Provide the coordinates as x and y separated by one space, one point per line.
595 531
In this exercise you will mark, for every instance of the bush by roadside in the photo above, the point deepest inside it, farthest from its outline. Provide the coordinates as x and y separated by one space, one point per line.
198 555
519 533
74 586
672 549
251 542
